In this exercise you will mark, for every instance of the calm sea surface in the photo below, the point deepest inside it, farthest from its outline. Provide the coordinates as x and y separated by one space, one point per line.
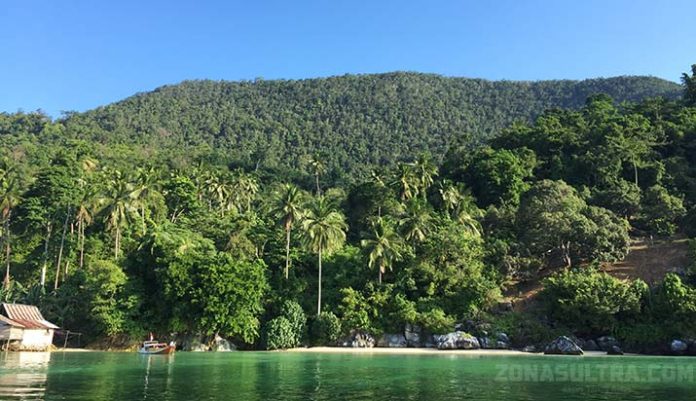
98 376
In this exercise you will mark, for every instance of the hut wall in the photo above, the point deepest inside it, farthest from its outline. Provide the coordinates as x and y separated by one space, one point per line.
36 339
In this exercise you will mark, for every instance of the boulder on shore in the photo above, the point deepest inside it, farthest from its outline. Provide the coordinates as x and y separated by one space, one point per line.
678 346
590 345
392 341
605 343
413 334
563 346
615 350
456 340
358 339
220 344
500 341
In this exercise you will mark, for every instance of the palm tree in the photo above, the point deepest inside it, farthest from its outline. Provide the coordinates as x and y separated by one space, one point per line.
318 169
287 205
416 223
424 171
405 182
86 205
119 206
146 189
383 246
9 198
324 231
245 188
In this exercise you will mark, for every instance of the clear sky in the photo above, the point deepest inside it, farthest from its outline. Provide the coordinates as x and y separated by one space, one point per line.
79 54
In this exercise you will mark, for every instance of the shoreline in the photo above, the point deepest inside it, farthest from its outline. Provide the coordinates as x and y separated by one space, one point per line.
433 351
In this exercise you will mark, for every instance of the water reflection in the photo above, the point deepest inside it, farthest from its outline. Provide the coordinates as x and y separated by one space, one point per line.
23 375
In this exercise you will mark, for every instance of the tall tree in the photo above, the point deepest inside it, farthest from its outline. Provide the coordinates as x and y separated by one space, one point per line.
119 207
383 246
287 204
9 198
689 83
324 231
416 222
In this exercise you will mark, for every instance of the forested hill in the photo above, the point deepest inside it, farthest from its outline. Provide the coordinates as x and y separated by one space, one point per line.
352 121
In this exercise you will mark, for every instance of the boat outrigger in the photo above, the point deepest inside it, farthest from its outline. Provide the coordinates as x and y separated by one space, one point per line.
153 347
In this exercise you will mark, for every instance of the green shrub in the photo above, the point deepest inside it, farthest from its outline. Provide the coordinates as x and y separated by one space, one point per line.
590 302
325 329
279 334
436 321
356 311
292 311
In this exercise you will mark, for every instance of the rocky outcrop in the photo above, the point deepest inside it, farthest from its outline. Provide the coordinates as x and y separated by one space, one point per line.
563 346
615 350
500 341
358 339
456 340
678 347
605 343
392 341
414 335
590 345
220 344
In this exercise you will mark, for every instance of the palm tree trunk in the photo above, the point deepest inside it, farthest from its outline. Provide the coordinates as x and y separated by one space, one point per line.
287 252
49 228
319 295
81 240
316 176
6 282
60 250
117 242
142 213
6 238
635 171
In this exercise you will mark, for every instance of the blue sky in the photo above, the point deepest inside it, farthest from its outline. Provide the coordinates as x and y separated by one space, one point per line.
76 55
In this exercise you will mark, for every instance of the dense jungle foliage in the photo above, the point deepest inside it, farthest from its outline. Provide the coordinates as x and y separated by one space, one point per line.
219 208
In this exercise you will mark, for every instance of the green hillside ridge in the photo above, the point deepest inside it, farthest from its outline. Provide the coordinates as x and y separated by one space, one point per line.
353 121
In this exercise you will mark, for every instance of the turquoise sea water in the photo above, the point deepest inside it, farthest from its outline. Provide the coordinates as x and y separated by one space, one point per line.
98 376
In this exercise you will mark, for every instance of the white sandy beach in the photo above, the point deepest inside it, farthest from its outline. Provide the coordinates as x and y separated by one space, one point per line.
430 351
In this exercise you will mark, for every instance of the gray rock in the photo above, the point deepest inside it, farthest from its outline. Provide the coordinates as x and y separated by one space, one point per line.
430 342
615 350
456 340
678 346
590 345
392 341
222 345
358 339
563 346
501 341
502 337
413 335
530 348
606 342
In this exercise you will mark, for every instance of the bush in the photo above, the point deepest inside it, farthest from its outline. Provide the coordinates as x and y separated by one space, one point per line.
590 302
356 311
436 321
279 334
661 211
292 311
325 329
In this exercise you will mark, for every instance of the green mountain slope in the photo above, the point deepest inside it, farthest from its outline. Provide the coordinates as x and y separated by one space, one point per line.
354 122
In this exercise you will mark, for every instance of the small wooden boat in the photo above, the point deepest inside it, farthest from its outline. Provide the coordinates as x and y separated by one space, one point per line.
157 348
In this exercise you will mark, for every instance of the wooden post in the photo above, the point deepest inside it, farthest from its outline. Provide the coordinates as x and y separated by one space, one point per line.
67 334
